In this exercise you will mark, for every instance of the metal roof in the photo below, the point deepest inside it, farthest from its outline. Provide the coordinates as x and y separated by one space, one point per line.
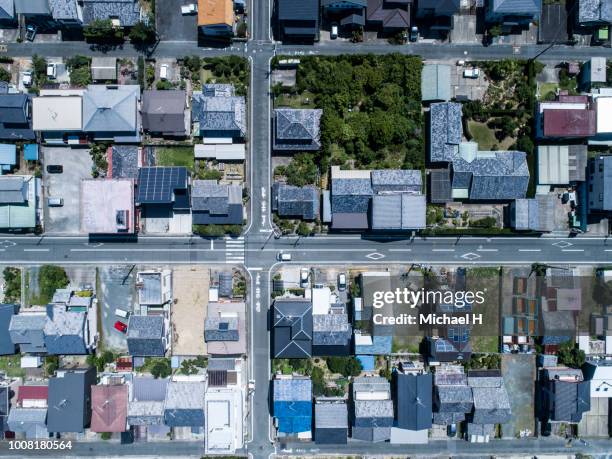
164 112
70 400
414 401
146 389
515 7
536 214
435 82
298 10
111 109
104 68
331 414
13 190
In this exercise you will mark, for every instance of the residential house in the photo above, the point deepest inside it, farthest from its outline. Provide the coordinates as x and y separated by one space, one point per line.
600 184
292 328
18 202
594 13
58 116
491 402
225 328
350 13
122 13
438 12
224 401
297 20
154 287
218 113
331 421
376 339
107 206
561 164
372 416
331 329
475 175
163 188
70 400
593 72
214 203
297 129
216 18
7 13
534 214
413 406
453 397
111 112
165 113
362 199
389 16
512 13
5 407
68 331
27 330
67 14
104 69
229 152
566 117
564 395
294 201
185 405
109 408
148 336
292 405
123 161
7 311
28 423
146 403
599 374
16 117
435 83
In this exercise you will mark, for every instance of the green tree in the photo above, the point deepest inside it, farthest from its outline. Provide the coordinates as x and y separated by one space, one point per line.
80 76
102 31
106 435
303 229
161 368
570 355
78 61
193 63
318 381
12 287
50 278
346 366
241 30
302 170
143 34
5 75
51 364
39 65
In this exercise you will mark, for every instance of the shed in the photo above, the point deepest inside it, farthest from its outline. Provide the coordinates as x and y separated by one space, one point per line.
104 68
435 82
30 152
8 156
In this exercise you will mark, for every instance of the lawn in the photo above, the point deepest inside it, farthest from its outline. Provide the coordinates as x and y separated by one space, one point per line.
11 365
175 156
485 344
547 90
482 134
304 100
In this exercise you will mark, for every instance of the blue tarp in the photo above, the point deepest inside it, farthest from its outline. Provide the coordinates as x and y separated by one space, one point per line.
381 345
368 362
30 152
293 417
8 154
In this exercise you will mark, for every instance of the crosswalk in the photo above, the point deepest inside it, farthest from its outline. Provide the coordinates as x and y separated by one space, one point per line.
234 250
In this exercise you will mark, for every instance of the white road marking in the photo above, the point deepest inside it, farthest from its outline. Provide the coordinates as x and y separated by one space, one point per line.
400 250
212 245
442 250
530 250
572 250
486 250
35 250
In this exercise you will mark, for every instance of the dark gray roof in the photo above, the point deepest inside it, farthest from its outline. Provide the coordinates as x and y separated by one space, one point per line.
124 161
70 400
566 400
553 23
292 323
414 401
331 414
149 389
298 10
32 7
15 119
457 399
7 311
350 220
396 180
127 11
594 11
226 283
440 185
491 401
297 129
145 336
214 203
445 130
64 9
221 329
353 19
440 7
331 329
293 201
219 115
157 185
351 195
185 404
516 6
356 3
164 112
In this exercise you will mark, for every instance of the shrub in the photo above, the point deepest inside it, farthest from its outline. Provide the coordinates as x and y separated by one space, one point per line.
161 368
12 287
50 278
346 366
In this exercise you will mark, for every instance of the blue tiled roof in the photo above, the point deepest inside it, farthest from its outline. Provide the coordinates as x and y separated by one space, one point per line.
293 404
517 6
445 130
381 345
296 201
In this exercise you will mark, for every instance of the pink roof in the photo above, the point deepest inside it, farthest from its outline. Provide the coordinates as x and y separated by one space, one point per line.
32 393
569 123
573 99
109 408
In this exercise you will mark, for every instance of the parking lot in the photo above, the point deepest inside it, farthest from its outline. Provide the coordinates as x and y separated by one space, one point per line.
172 25
470 88
190 292
117 290
77 165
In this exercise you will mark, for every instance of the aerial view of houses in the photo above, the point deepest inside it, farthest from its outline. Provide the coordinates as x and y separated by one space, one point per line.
305 228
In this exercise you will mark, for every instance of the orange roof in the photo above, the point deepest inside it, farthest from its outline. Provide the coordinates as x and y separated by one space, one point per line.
211 12
109 406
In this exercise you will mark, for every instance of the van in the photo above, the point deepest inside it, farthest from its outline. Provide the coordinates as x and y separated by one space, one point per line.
122 313
163 72
283 256
52 70
55 202
341 282
334 32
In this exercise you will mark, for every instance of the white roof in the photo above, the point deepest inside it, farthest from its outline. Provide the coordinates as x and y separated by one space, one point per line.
224 428
604 114
321 299
225 152
601 383
338 173
57 113
101 203
562 106
553 164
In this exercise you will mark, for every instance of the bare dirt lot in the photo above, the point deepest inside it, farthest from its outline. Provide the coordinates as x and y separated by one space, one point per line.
190 291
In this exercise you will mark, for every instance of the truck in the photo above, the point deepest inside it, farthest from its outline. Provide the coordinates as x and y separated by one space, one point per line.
471 73
191 8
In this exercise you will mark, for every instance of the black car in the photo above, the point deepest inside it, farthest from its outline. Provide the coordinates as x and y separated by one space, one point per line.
55 168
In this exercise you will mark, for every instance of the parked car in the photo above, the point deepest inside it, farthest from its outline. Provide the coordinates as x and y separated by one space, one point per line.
451 430
471 73
334 32
122 313
163 72
341 282
55 202
192 8
52 70
282 256
120 326
55 168
414 33
304 277
26 78
460 63
31 32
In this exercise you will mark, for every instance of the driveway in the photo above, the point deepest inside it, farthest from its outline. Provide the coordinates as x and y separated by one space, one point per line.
117 290
172 25
77 165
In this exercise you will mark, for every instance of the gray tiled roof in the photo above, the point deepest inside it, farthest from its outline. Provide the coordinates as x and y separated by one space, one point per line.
145 336
351 195
13 190
491 401
149 389
127 11
293 201
516 6
64 9
221 329
220 114
292 390
111 108
297 129
331 415
65 331
594 11
15 118
185 404
454 399
29 421
331 329
27 330
213 197
445 130
396 180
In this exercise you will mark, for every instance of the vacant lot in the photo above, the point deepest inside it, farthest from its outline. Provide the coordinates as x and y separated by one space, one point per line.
190 291
518 371
175 156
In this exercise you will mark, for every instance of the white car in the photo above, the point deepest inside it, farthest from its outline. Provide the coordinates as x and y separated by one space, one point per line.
163 72
471 73
52 70
334 32
192 8
304 277
26 78
283 256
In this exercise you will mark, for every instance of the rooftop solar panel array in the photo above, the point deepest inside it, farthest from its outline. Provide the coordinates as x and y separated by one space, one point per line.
156 185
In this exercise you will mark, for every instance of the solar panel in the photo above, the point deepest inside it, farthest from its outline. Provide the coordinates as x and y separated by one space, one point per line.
223 326
156 185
